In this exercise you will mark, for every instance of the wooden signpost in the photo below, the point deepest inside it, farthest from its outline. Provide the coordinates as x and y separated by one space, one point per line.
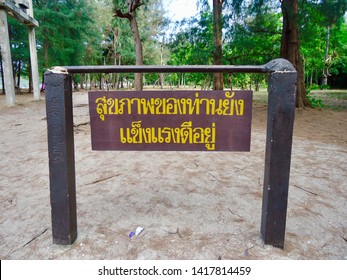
193 120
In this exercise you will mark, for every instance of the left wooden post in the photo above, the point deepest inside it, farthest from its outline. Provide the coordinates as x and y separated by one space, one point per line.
33 56
61 156
6 59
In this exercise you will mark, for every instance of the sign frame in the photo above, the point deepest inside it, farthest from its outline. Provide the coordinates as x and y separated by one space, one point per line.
281 109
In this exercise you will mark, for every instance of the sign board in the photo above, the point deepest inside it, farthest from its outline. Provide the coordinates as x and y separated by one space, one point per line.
171 120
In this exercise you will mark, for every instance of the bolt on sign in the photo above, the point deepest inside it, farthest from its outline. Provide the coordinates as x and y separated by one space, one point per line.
171 120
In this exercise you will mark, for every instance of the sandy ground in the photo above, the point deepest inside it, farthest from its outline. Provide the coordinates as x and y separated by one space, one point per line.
193 205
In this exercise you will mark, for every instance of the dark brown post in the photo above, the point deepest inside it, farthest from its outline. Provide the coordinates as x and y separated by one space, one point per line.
281 108
61 156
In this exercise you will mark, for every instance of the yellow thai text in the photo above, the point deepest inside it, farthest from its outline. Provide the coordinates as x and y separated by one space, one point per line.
185 134
227 106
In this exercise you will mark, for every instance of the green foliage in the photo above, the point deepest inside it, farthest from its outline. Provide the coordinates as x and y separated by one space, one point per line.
152 25
251 39
77 32
193 44
241 80
315 18
314 102
19 47
313 87
255 40
339 53
65 32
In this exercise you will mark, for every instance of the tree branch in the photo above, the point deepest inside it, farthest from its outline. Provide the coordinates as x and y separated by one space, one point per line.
138 4
120 14
133 5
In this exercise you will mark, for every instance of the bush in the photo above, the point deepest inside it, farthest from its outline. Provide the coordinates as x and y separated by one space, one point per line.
314 102
314 87
325 87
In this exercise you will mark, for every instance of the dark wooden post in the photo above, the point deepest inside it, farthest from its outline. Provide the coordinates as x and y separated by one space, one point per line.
61 156
281 108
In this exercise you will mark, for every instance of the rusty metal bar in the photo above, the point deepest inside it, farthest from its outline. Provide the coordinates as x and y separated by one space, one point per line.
168 69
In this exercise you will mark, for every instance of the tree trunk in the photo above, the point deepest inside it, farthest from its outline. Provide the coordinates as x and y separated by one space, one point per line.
217 42
19 75
45 47
325 70
30 78
139 54
131 16
115 45
2 76
161 75
100 81
82 80
290 47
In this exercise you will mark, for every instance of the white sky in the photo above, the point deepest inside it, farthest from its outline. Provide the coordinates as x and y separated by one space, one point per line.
180 9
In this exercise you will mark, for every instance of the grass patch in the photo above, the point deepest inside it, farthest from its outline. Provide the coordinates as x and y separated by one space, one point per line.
329 99
260 97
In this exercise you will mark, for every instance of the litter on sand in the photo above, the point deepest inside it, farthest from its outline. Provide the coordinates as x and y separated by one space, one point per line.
137 232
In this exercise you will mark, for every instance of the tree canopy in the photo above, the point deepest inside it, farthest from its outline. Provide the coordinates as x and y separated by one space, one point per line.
89 32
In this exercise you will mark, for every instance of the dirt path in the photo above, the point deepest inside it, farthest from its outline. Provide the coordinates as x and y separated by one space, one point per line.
193 205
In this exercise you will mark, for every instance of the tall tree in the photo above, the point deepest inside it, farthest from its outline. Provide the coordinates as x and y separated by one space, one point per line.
64 32
332 11
312 45
217 42
193 44
234 7
127 9
290 46
338 67
254 40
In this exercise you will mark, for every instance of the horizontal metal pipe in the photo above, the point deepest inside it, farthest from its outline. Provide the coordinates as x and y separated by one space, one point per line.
168 69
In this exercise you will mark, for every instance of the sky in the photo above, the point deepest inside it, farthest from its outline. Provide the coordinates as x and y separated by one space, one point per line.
180 9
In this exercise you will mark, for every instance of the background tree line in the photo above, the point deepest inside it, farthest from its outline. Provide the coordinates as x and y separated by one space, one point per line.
129 32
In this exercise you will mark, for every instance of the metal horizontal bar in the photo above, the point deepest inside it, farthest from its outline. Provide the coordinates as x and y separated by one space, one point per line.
168 69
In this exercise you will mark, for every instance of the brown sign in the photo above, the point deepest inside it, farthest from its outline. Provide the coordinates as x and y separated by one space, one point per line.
171 120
